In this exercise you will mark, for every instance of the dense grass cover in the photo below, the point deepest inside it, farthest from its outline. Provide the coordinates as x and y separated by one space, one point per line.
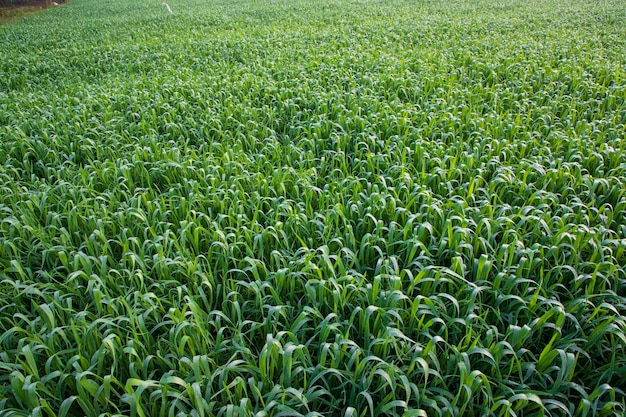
292 207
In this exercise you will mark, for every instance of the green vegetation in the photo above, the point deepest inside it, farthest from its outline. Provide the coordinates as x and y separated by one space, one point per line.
335 207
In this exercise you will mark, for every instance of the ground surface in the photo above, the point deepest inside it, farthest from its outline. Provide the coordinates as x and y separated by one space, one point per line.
12 10
357 208
12 13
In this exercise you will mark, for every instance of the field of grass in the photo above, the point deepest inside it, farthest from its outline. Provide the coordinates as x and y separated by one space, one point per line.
298 207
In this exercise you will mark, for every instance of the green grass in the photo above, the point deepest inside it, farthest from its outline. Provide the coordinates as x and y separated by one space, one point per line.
283 208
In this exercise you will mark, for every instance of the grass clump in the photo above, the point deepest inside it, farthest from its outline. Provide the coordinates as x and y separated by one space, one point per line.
352 208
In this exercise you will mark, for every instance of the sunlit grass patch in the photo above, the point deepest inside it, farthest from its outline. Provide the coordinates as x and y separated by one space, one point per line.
352 208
